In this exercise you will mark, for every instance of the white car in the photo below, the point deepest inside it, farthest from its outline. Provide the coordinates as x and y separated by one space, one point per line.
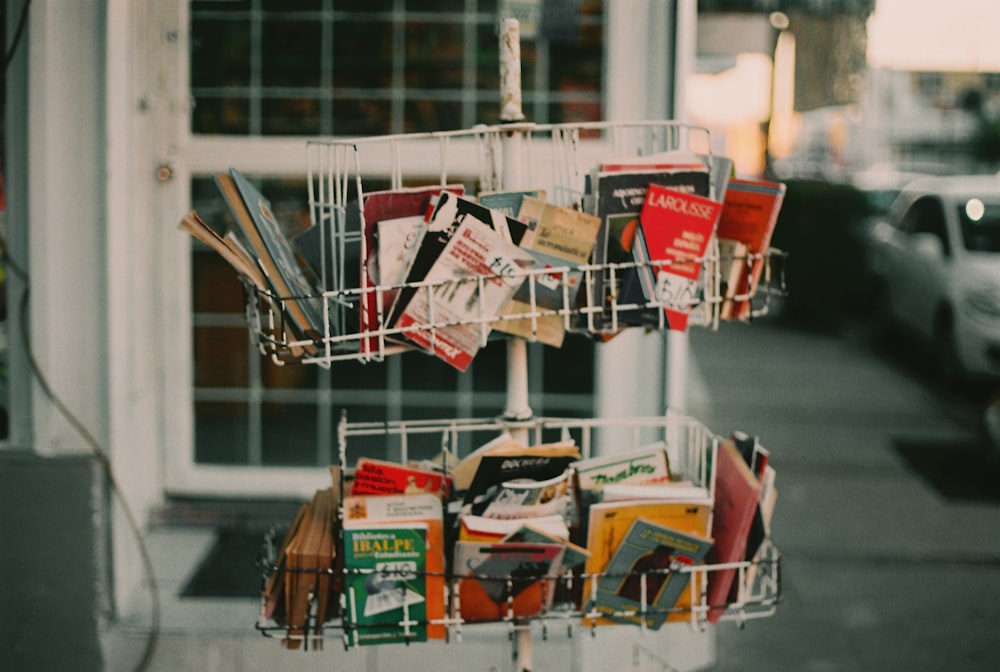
936 262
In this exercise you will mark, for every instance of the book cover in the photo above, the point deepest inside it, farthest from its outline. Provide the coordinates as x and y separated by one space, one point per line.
641 465
385 584
309 556
733 267
364 511
677 227
479 528
737 496
643 582
527 498
620 191
475 273
749 215
380 477
609 523
379 206
509 202
561 240
294 287
496 469
573 556
498 580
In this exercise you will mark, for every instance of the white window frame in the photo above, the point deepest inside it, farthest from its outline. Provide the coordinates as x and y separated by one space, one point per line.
636 88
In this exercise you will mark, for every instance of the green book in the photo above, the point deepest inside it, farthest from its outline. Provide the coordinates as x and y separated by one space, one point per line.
385 584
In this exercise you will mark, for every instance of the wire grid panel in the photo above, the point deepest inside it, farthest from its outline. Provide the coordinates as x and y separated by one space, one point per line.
556 159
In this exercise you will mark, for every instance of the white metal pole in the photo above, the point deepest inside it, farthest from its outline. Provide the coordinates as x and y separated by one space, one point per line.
517 348
513 146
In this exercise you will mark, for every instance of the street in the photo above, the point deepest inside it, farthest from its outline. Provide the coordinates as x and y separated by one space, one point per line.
888 516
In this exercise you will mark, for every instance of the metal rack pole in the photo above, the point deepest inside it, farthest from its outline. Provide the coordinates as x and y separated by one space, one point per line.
517 348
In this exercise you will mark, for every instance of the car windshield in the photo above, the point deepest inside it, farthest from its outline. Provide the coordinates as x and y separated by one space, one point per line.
980 220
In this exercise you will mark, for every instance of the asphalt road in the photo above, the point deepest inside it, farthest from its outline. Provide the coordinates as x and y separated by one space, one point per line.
888 514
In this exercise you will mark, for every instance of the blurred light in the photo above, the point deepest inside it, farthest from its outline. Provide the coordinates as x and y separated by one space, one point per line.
974 209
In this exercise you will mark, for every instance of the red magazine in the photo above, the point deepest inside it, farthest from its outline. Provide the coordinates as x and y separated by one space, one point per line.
677 226
749 213
379 477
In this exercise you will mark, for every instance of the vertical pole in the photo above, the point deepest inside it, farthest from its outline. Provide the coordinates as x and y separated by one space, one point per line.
517 348
513 146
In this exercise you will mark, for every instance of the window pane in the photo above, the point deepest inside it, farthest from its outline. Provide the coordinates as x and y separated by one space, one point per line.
434 55
441 6
228 115
290 53
291 5
289 435
432 115
290 116
362 54
216 286
220 357
220 52
220 433
361 117
363 5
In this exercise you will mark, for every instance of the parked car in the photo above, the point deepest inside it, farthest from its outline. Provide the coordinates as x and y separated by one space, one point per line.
935 261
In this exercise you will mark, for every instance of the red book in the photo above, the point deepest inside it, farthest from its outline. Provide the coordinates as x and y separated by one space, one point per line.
379 477
749 213
676 227
737 495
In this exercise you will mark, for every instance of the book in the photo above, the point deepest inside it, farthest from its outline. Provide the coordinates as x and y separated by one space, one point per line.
509 202
381 477
573 556
529 498
479 528
473 276
737 496
422 511
732 268
377 207
561 240
670 490
676 227
309 557
274 585
640 465
446 211
609 523
504 580
231 249
619 191
385 584
464 470
749 215
644 579
295 287
537 463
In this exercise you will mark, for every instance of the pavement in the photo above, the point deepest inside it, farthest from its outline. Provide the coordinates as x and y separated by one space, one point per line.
885 567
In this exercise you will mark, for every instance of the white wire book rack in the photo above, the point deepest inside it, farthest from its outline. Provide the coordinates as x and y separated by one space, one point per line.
553 159
692 452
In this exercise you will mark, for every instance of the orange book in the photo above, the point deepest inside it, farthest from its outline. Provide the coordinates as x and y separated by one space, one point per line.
609 523
505 580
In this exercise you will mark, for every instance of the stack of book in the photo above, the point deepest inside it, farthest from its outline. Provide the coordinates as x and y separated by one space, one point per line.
440 271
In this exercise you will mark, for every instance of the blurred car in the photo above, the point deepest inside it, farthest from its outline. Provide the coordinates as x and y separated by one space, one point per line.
935 260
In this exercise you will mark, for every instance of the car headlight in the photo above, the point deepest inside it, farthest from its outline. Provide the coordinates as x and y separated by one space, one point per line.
985 301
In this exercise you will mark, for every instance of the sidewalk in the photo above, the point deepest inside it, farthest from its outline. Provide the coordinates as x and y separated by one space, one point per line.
881 571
